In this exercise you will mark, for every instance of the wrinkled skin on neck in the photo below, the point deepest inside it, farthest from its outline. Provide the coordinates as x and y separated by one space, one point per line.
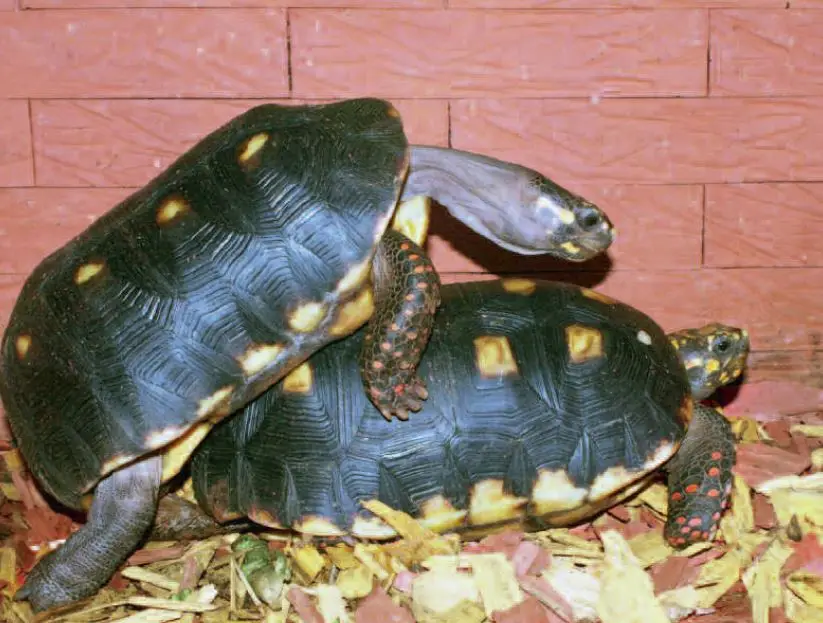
515 207
714 355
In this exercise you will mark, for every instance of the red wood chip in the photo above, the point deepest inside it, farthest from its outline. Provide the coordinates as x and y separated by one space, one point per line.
621 513
672 573
146 556
808 555
377 607
698 560
529 558
118 582
503 542
764 516
45 525
759 462
304 606
25 556
545 593
779 431
403 581
528 611
191 574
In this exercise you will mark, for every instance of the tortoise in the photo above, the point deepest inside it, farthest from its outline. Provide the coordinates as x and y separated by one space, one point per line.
265 241
549 402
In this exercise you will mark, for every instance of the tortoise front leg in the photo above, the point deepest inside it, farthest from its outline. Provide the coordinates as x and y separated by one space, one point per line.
123 508
700 479
407 294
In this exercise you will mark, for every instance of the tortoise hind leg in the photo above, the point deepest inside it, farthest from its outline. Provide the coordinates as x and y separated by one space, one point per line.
407 294
700 479
121 512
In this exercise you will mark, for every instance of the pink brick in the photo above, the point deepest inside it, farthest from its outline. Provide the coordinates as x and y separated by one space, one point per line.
767 52
658 141
764 225
9 289
615 4
128 142
100 4
15 144
144 53
510 53
658 226
36 221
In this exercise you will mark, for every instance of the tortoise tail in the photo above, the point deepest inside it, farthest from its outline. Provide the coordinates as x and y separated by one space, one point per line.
700 479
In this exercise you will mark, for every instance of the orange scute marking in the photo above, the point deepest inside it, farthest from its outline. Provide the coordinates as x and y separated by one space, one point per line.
695 521
681 519
696 534
677 496
716 456
713 493
691 489
377 365
713 471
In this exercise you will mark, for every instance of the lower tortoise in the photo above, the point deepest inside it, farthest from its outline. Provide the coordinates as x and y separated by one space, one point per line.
547 401
267 240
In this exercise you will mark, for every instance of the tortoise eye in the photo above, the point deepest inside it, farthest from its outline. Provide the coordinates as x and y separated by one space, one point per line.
722 344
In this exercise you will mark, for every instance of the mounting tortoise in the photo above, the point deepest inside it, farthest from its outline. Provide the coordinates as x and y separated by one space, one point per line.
545 397
267 240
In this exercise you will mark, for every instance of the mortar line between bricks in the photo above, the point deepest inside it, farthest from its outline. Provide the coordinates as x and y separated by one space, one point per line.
703 227
31 144
708 52
288 53
449 124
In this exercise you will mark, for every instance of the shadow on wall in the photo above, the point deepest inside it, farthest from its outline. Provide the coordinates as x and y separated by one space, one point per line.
498 261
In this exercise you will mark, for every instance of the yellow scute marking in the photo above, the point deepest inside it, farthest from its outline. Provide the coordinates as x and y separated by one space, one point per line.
613 480
115 463
519 286
597 296
372 528
216 404
252 146
307 317
299 380
265 518
584 343
87 271
353 314
317 526
570 248
493 356
491 504
554 492
412 219
712 365
356 276
440 516
179 452
686 409
171 209
160 438
663 453
393 112
258 357
22 345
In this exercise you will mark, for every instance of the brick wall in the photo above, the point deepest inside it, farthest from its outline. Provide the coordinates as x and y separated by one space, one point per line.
696 125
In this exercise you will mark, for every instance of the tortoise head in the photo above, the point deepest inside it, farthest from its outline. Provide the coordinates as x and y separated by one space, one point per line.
515 207
714 355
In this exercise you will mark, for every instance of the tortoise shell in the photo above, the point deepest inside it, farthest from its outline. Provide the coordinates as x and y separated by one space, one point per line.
198 291
542 396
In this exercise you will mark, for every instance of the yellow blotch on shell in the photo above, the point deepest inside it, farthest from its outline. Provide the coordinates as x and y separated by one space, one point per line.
613 480
171 209
493 356
252 146
317 526
393 112
179 451
439 515
355 277
265 518
22 345
353 314
686 410
597 296
307 317
411 218
519 286
664 451
299 380
555 492
570 248
115 463
258 357
712 365
372 528
215 405
489 503
87 272
584 343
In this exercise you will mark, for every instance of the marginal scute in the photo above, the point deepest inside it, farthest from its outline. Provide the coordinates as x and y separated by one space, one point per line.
613 480
355 277
393 112
115 463
411 219
489 503
584 343
439 515
317 526
686 410
22 345
299 380
353 314
159 438
519 286
597 296
258 357
307 317
493 356
554 491
171 209
664 451
87 272
252 146
372 528
215 405
179 451
265 518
